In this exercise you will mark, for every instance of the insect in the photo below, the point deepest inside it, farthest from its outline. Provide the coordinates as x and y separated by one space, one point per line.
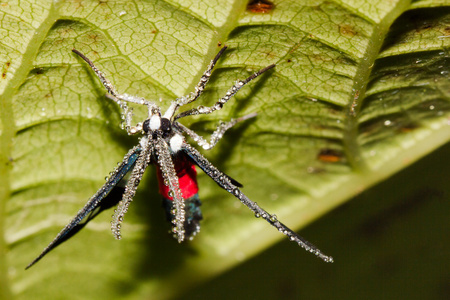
163 143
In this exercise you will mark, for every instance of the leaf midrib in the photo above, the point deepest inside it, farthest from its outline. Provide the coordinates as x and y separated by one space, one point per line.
9 131
360 83
222 32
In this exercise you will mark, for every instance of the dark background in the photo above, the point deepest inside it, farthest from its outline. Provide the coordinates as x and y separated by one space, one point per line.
389 242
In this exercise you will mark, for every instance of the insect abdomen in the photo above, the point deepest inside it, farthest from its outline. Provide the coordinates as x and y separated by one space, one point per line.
193 214
187 179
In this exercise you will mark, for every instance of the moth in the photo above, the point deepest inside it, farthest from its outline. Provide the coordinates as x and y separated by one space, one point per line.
162 143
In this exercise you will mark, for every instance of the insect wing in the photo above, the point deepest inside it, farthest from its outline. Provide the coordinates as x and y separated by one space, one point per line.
93 203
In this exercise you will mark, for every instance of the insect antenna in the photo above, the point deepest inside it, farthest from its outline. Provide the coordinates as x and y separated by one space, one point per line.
106 83
203 81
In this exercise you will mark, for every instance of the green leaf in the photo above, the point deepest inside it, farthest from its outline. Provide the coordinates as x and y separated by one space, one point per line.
360 91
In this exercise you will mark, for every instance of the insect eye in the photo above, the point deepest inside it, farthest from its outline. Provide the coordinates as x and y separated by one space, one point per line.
146 125
166 126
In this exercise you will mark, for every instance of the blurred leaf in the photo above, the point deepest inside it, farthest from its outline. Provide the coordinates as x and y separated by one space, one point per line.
351 101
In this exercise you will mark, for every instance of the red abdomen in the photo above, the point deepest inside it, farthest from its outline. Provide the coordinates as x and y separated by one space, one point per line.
187 178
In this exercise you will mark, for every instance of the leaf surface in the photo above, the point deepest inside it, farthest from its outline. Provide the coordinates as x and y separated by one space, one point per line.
360 91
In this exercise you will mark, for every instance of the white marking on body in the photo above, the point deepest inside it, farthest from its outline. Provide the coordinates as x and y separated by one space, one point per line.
155 122
176 142
143 141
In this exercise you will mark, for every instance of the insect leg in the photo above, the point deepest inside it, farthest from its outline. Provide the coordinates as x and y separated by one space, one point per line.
222 180
132 99
231 92
170 178
217 134
128 113
130 188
